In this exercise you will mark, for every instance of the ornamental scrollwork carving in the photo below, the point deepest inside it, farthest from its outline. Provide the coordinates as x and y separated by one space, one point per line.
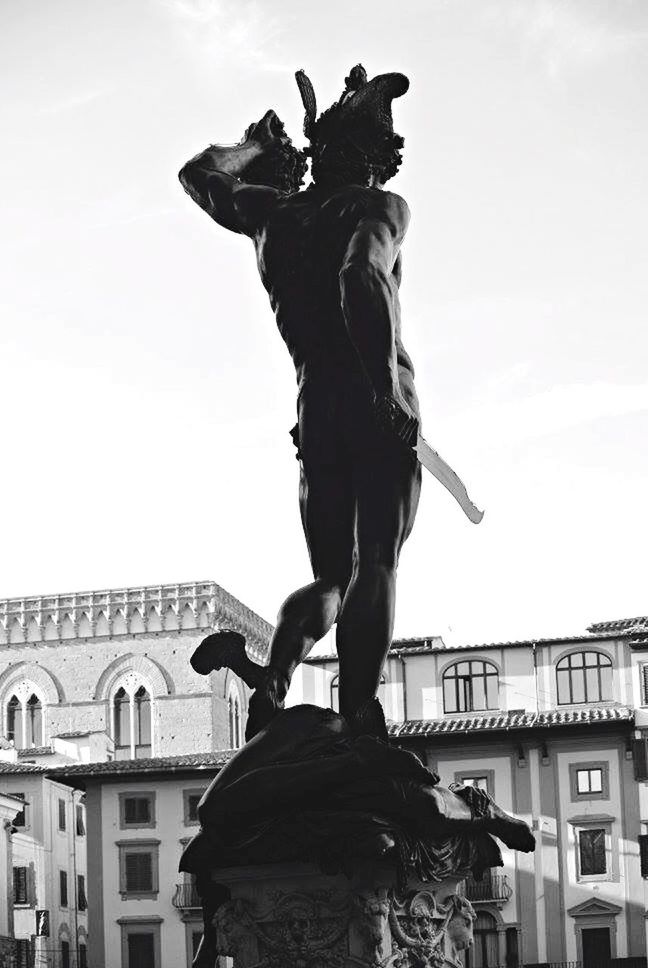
429 934
298 930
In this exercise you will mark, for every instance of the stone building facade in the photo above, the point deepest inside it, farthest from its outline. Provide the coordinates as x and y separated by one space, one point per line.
556 731
93 677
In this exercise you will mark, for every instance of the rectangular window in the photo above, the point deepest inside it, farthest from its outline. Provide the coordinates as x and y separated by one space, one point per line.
644 685
591 850
590 781
24 953
191 799
63 888
65 954
139 872
61 815
136 810
80 821
20 819
83 955
481 782
20 885
643 854
141 950
82 901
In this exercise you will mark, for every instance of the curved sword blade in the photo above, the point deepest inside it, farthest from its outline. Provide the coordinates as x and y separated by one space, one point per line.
446 476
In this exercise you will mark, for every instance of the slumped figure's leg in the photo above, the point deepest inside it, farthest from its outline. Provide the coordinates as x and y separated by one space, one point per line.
387 495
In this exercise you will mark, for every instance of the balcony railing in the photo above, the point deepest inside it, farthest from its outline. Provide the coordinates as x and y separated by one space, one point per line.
492 887
186 897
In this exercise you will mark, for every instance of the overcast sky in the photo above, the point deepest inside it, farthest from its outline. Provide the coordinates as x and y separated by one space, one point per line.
145 392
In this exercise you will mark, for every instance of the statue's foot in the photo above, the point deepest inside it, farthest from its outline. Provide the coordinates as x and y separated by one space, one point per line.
369 720
266 701
226 649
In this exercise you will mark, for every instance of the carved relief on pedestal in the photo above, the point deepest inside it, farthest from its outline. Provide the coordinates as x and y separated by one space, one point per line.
427 933
297 930
316 929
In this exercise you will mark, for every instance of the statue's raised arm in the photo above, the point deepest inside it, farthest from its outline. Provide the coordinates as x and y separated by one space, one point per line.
237 185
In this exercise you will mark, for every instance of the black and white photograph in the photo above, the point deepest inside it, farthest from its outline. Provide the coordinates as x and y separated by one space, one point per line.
323 601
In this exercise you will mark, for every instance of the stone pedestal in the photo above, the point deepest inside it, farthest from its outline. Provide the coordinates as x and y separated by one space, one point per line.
293 916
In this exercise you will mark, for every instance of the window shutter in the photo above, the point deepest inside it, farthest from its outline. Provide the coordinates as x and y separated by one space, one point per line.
644 685
65 954
63 888
20 885
643 854
82 902
61 814
640 757
139 872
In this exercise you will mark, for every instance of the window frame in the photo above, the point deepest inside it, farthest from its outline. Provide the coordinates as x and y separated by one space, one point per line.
467 690
27 900
488 775
62 815
79 820
81 893
137 795
593 822
64 888
186 795
133 846
131 685
23 693
141 925
575 768
604 661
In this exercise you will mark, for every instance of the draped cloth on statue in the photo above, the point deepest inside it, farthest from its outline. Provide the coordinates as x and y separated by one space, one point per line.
307 789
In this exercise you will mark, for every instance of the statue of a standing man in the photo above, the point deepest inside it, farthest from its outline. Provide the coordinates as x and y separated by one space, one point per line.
329 257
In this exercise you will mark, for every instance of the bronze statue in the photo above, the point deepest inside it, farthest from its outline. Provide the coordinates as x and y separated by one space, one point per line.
312 784
329 257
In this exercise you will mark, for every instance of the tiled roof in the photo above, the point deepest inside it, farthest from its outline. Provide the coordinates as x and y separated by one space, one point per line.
21 768
36 751
511 721
421 646
154 764
638 624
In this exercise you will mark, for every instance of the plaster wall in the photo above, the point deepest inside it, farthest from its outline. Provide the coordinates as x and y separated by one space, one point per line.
172 833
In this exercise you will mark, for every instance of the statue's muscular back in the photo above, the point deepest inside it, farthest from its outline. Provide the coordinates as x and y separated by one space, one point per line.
301 249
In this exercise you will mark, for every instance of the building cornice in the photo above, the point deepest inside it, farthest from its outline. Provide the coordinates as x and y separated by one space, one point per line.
141 610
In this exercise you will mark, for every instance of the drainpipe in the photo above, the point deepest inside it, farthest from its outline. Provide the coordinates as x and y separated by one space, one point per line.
535 676
402 659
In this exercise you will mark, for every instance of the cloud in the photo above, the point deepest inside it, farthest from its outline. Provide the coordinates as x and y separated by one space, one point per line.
75 101
571 33
239 30
549 412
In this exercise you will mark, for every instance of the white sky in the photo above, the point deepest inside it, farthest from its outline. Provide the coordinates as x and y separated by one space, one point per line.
146 394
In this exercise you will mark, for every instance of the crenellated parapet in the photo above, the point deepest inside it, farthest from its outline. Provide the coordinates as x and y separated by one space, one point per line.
117 612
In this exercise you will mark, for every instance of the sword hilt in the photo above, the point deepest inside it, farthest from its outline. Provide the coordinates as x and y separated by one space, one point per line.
393 418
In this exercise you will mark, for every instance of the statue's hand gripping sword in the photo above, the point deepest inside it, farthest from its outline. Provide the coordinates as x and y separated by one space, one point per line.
397 421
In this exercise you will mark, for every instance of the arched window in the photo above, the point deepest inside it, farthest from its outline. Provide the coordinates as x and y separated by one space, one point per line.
584 677
34 721
15 721
25 720
131 715
143 722
234 718
470 686
121 712
485 949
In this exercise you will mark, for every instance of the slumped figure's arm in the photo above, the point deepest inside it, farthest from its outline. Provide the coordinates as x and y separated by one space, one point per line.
230 202
369 290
